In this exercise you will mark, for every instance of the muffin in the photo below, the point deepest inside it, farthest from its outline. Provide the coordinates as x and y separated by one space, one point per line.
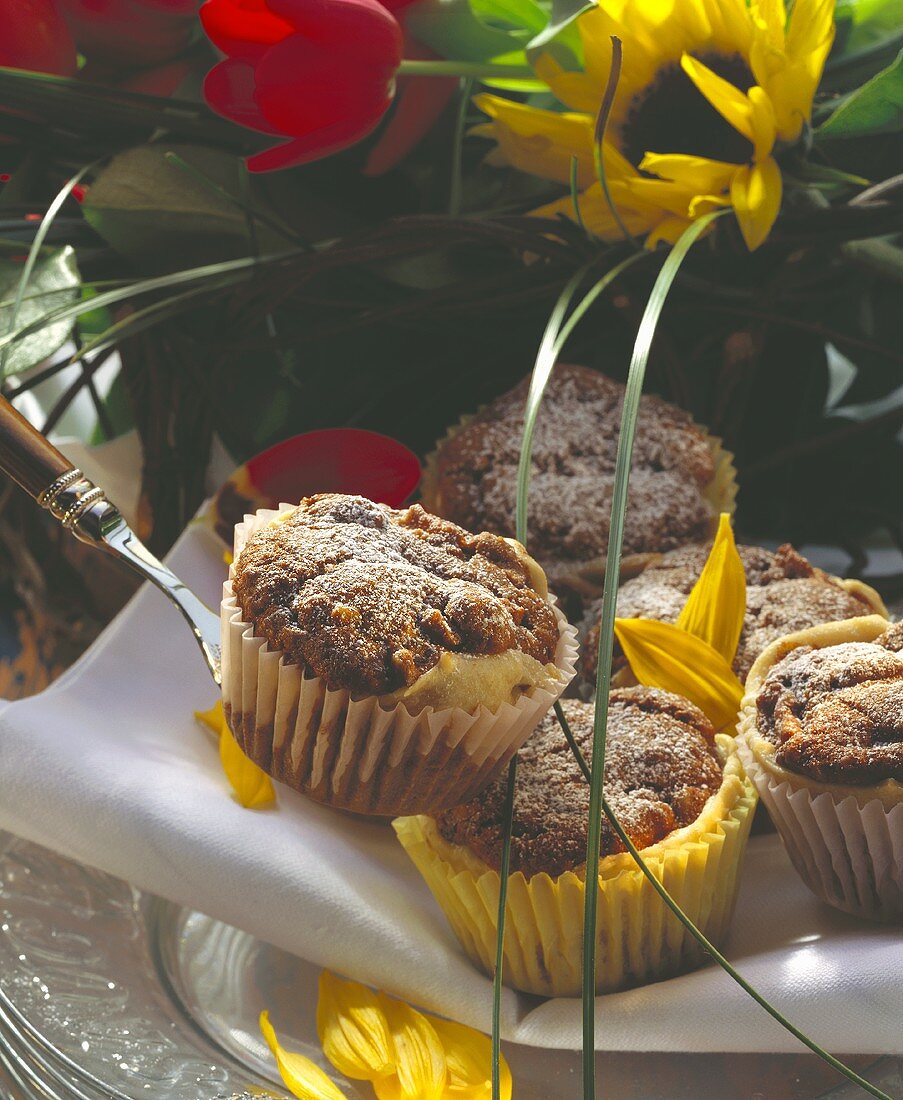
678 790
784 593
821 732
680 481
385 661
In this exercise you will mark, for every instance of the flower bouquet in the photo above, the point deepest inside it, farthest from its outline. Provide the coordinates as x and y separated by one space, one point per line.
309 240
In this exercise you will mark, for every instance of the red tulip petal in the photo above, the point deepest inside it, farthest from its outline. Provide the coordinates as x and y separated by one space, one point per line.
302 88
35 37
419 102
243 28
229 89
361 28
334 460
290 154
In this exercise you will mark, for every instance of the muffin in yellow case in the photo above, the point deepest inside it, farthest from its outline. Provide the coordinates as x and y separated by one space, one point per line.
679 791
821 735
682 478
384 661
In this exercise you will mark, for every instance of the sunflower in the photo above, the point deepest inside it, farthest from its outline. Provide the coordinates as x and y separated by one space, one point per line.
708 91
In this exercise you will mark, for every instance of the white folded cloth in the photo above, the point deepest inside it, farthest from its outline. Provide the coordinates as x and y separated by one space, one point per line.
109 767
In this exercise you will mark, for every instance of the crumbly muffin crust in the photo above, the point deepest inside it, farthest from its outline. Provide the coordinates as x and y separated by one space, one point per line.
369 597
661 768
571 485
784 593
836 714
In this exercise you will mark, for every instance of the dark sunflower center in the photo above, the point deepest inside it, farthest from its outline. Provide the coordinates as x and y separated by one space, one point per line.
672 115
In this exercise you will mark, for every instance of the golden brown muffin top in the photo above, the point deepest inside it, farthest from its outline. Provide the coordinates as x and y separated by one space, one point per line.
836 714
369 597
784 593
574 451
660 770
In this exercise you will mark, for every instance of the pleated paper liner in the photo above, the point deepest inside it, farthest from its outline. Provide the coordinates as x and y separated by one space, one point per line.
639 939
360 755
584 580
845 842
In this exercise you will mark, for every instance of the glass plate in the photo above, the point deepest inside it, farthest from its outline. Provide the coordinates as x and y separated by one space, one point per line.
110 994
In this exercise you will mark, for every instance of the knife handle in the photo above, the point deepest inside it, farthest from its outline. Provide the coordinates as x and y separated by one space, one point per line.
27 456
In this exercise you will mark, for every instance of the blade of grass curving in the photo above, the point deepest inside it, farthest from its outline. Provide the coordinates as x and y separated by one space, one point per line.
33 252
608 99
239 269
556 332
141 319
629 412
575 196
455 190
243 204
700 938
504 870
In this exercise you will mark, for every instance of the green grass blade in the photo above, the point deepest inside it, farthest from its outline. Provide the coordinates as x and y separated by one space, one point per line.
456 185
553 339
239 269
630 410
608 99
33 253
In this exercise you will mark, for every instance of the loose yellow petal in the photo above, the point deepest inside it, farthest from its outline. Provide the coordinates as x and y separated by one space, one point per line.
353 1029
664 656
251 785
468 1054
303 1078
213 719
756 197
420 1062
716 606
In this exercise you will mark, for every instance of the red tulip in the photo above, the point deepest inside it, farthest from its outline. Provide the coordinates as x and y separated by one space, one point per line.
131 32
34 36
319 72
333 460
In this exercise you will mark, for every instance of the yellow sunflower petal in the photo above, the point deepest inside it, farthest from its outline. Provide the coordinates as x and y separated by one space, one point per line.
303 1078
468 1054
251 785
770 17
716 606
540 142
353 1029
811 29
664 656
420 1062
700 173
747 116
575 90
756 197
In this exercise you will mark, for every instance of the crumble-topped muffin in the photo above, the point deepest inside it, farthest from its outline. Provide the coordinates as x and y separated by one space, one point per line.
369 597
784 593
385 661
676 787
836 714
660 770
676 483
821 737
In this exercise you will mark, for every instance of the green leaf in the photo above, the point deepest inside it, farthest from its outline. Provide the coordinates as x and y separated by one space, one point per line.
875 108
55 276
561 29
163 217
451 29
862 24
515 15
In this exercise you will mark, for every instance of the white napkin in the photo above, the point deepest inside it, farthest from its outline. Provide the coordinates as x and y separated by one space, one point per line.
109 767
